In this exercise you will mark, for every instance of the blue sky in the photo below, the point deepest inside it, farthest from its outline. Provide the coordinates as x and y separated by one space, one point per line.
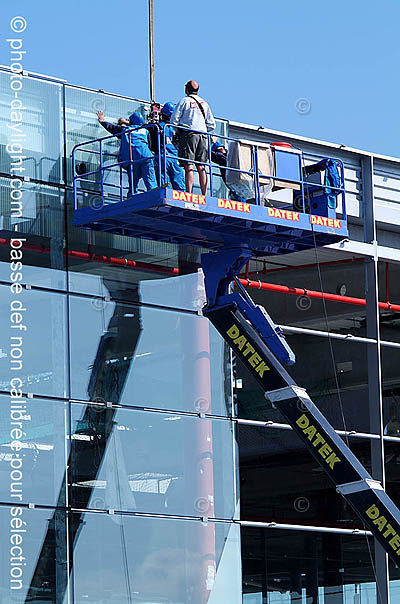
254 60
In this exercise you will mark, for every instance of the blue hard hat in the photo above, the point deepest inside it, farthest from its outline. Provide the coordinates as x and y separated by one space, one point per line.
136 119
168 109
216 146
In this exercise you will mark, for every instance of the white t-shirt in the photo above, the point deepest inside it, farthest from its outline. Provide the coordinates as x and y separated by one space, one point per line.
188 113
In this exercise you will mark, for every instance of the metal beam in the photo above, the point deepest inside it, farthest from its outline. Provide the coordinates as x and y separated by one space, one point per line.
374 362
151 51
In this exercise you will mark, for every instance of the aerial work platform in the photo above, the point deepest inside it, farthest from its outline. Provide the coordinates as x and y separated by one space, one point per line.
252 224
221 218
210 222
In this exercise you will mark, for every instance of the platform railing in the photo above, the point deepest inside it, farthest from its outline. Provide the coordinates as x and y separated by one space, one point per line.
102 175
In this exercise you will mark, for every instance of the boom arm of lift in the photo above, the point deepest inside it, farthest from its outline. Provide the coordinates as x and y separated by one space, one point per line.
220 269
255 339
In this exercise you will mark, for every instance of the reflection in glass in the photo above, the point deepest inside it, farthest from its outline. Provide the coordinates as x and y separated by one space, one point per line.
303 311
39 222
42 120
40 464
390 358
289 566
389 291
320 374
125 268
41 575
147 357
281 482
81 107
44 316
124 459
155 560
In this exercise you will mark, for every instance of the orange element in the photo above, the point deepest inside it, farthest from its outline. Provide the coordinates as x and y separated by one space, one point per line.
285 214
228 204
324 221
189 197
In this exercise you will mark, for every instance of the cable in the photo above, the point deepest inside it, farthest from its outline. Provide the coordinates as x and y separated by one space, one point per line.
337 385
327 325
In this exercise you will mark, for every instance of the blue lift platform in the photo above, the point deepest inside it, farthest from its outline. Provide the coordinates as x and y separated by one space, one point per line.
211 221
238 229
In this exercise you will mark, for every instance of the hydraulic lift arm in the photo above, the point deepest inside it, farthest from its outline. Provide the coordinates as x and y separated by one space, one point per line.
254 338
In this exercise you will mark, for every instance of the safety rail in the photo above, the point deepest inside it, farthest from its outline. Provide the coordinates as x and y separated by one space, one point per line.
105 185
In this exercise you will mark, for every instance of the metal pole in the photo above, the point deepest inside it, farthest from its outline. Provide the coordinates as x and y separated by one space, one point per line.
374 364
151 50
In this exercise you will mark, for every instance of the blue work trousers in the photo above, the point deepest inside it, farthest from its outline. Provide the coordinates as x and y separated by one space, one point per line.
173 172
142 167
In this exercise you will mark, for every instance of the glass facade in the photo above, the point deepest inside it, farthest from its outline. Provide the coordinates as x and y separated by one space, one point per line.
140 462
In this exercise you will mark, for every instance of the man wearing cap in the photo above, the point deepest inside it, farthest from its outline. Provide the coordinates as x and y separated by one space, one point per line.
173 170
219 156
134 148
194 115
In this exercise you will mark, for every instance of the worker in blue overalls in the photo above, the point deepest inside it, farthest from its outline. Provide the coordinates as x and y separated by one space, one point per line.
173 171
136 157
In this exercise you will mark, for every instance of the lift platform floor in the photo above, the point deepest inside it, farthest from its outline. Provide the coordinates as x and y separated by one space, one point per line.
210 222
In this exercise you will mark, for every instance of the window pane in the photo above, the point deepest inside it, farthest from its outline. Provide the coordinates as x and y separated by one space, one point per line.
37 355
343 278
291 566
130 460
392 475
146 357
390 358
40 227
131 269
42 543
82 125
32 451
335 378
389 291
42 120
155 560
281 482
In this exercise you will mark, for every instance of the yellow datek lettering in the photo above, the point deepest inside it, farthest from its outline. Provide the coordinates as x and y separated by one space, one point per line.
332 459
240 342
380 522
373 512
389 531
325 450
318 439
303 421
310 432
395 542
261 368
254 359
233 332
249 348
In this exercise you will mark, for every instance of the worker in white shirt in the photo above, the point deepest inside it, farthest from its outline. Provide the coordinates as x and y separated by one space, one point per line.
194 113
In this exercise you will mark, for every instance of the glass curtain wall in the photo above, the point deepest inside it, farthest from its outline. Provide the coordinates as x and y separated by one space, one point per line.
118 451
134 445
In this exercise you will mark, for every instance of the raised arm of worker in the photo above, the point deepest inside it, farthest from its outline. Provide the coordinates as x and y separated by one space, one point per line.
111 128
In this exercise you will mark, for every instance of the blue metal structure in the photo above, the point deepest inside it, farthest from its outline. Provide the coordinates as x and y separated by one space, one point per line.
244 229
220 270
211 222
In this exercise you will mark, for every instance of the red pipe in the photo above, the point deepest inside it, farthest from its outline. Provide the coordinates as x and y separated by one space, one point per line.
166 270
154 268
296 291
264 270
